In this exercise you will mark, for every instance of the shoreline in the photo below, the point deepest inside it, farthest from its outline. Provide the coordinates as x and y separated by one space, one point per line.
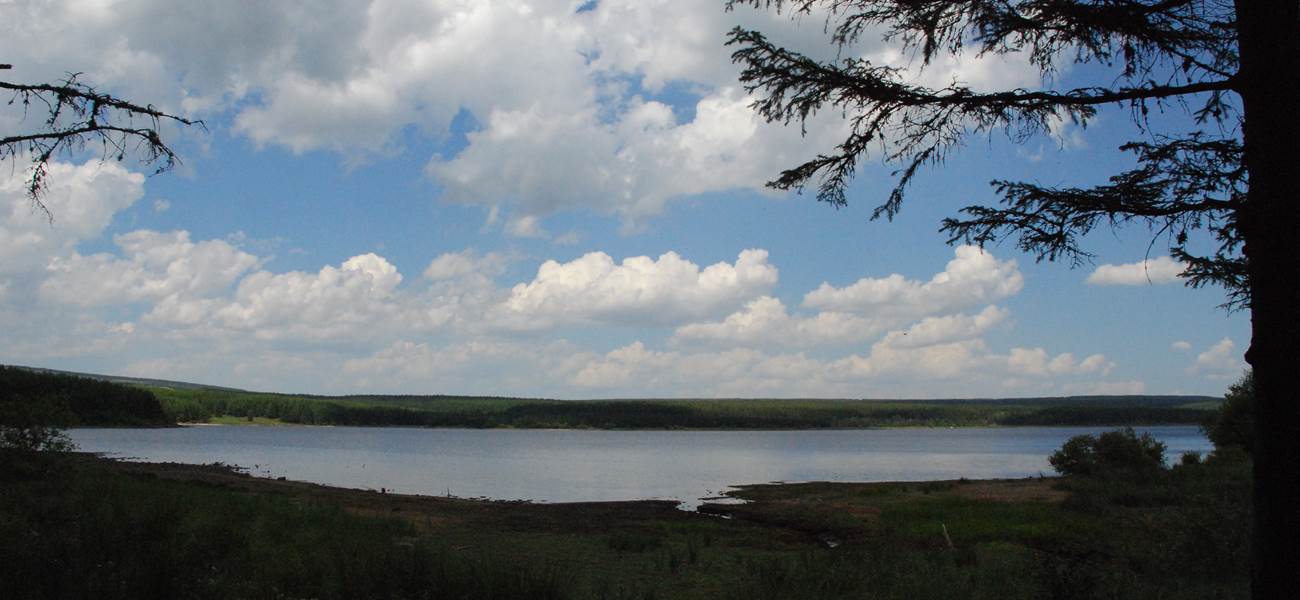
230 475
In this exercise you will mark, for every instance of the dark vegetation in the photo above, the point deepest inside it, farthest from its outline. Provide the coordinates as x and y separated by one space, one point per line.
73 529
74 526
1118 453
70 401
1119 524
1182 533
1209 177
1233 425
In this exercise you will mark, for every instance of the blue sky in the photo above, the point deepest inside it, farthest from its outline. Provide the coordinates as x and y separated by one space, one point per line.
526 198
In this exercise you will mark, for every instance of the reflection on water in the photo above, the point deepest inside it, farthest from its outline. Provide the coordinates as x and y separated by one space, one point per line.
572 465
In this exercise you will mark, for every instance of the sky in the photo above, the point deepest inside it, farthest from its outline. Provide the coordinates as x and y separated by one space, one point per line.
549 198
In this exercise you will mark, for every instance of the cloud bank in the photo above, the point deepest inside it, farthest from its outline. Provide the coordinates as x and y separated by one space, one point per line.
161 303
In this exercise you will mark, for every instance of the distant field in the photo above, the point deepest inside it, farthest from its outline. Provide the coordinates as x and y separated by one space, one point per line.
229 406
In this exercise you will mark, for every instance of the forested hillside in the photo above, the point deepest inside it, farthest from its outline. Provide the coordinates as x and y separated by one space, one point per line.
71 401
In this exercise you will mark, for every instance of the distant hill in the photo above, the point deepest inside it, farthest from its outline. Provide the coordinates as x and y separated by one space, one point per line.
416 400
190 402
123 379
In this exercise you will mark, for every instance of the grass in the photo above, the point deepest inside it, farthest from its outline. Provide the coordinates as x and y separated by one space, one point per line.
78 530
1182 534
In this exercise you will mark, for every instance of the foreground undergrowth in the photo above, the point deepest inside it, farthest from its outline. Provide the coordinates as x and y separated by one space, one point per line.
76 527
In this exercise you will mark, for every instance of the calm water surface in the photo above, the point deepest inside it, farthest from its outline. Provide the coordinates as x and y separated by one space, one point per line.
569 465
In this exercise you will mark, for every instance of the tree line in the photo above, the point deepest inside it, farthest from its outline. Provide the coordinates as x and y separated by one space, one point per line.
70 401
448 411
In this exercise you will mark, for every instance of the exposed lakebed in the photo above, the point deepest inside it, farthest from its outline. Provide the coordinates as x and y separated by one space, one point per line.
598 465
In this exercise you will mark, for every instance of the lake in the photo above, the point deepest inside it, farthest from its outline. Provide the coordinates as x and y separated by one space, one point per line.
586 465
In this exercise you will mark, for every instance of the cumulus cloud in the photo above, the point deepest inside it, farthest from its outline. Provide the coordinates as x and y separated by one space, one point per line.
664 370
972 278
156 265
1181 346
1222 360
953 369
937 361
355 299
83 199
765 321
1154 271
940 329
483 365
640 290
570 104
1037 362
544 160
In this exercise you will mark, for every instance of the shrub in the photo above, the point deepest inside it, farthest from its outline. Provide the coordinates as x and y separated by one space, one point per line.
31 426
1233 425
1120 452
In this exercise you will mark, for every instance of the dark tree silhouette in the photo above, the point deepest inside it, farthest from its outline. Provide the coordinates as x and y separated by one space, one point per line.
75 115
1230 67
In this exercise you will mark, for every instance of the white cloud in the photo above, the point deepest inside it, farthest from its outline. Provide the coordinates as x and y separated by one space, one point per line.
354 326
83 199
972 278
1154 271
156 265
481 366
357 299
545 159
1181 346
566 99
952 369
466 263
640 290
941 329
1037 362
161 205
1222 360
946 361
526 226
764 321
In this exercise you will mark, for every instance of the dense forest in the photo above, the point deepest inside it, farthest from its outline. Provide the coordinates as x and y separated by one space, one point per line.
71 401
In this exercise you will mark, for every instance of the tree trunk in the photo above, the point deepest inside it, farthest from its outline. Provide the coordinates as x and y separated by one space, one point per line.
1269 34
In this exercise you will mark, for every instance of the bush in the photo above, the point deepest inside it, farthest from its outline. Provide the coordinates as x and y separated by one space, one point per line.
1233 425
31 426
1121 452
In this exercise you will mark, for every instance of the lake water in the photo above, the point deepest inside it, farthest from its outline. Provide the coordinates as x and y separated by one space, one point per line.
579 465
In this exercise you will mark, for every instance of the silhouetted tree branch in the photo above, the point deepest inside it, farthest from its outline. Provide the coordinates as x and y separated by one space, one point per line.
913 125
76 115
1228 66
